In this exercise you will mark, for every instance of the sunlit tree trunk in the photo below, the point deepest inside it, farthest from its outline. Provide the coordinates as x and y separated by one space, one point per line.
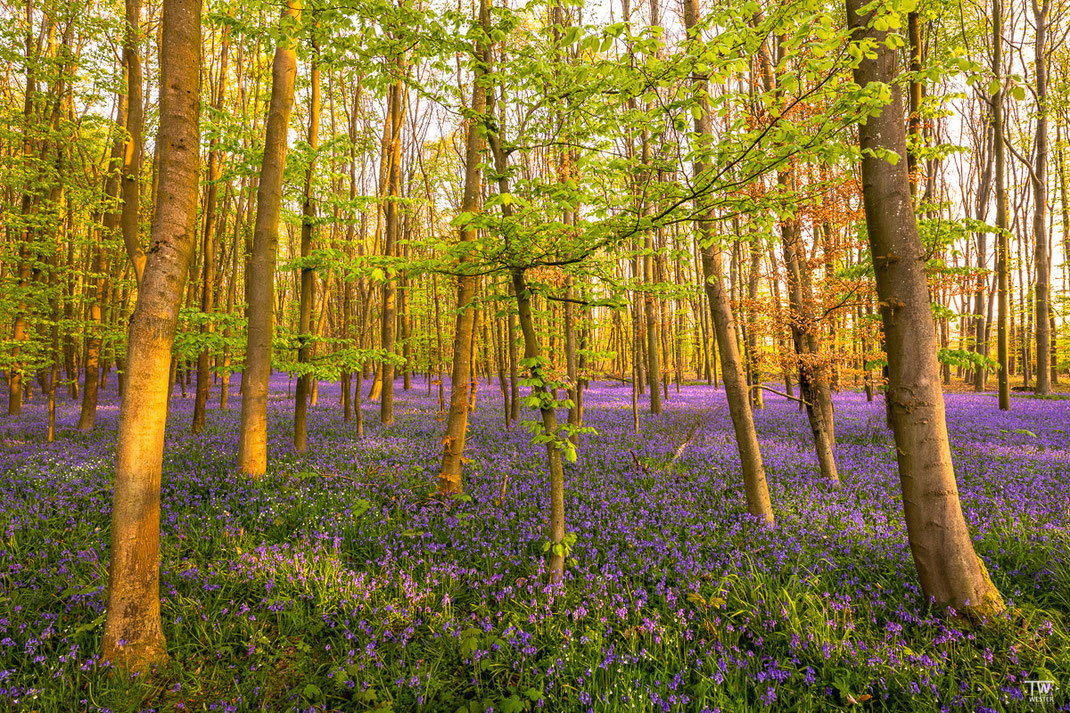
948 568
133 636
260 278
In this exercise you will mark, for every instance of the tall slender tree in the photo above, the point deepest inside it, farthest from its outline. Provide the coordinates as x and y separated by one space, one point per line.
1039 179
735 382
260 278
208 247
388 323
1002 221
308 274
449 476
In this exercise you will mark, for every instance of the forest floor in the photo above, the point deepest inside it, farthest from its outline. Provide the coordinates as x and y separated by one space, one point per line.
337 583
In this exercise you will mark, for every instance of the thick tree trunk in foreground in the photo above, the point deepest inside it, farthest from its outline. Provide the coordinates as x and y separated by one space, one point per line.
133 637
950 571
260 280
735 383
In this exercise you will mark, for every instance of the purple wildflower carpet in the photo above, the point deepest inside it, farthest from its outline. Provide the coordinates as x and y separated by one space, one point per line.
335 583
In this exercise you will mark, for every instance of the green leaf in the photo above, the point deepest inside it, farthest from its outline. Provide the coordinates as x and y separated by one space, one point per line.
512 704
462 219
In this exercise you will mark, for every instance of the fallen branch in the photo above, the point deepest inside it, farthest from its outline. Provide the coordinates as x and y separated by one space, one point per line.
684 445
505 484
780 393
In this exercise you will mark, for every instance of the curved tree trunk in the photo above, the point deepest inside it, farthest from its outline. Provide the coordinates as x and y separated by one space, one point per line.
949 569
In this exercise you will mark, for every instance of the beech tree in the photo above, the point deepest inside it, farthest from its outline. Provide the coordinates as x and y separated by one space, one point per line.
260 279
950 571
133 637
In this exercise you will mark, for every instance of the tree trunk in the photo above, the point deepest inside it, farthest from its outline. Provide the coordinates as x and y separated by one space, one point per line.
237 251
537 371
1002 226
449 474
208 252
308 275
754 483
393 190
1040 202
951 574
260 279
133 636
981 318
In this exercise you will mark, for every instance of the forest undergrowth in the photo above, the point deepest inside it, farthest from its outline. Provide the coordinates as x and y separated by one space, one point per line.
338 582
